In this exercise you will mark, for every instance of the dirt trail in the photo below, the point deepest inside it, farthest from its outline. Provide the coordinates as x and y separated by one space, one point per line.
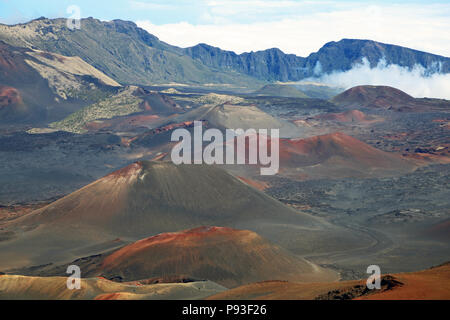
380 243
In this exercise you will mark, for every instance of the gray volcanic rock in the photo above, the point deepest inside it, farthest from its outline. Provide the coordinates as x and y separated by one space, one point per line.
343 54
273 64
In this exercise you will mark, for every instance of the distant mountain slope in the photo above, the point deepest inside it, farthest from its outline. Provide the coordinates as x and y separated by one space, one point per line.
120 49
273 64
270 64
131 55
341 55
38 86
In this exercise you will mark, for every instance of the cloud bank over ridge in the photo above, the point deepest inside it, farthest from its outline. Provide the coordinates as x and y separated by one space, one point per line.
417 82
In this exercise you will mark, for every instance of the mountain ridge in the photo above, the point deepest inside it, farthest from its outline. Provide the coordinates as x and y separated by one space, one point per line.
120 49
131 55
275 65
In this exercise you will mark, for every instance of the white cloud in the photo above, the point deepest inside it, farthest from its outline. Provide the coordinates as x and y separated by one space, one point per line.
274 7
141 5
422 27
227 7
417 82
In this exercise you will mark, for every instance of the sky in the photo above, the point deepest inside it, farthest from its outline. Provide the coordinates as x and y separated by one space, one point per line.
298 27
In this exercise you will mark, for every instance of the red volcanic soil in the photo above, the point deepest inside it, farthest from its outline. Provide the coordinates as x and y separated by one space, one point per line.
9 96
426 158
145 198
319 148
346 116
156 102
8 213
338 150
440 153
431 284
108 296
373 96
149 135
334 155
27 96
160 156
185 124
126 172
99 201
97 125
439 231
227 256
13 68
444 123
260 185
9 64
184 238
166 128
142 119
122 123
387 98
